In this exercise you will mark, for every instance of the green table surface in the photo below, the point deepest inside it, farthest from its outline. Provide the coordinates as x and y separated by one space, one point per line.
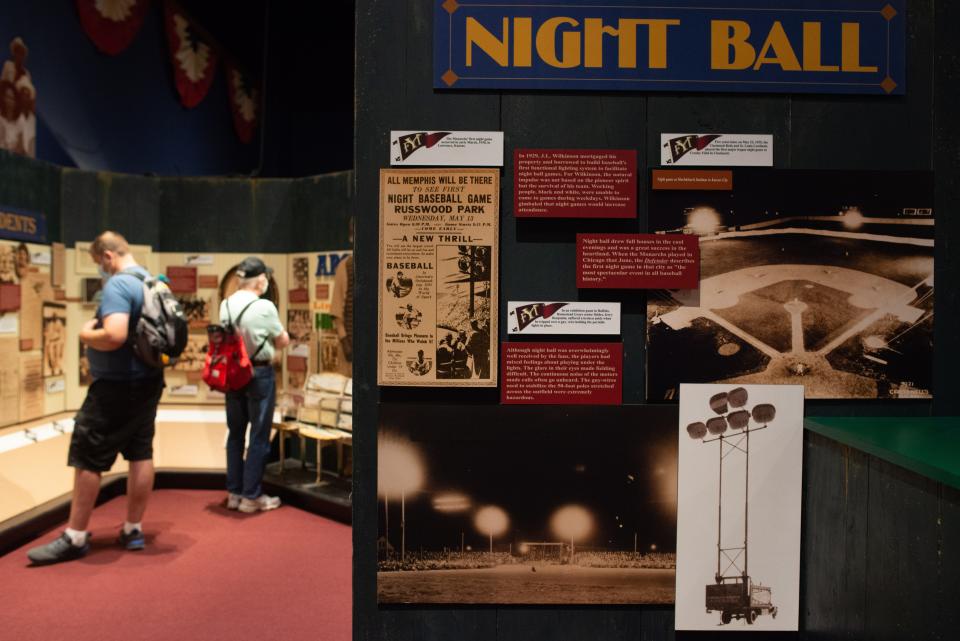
926 445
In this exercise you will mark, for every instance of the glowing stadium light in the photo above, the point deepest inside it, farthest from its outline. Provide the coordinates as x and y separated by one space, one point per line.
717 425
572 522
451 503
524 548
737 397
697 430
738 420
853 218
704 221
764 414
492 521
399 471
718 403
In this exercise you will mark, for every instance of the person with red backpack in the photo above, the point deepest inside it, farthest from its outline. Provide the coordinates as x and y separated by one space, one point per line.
256 322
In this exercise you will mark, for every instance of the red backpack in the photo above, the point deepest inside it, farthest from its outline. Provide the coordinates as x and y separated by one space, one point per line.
227 367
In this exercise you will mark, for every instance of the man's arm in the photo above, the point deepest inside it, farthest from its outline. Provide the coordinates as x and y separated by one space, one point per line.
281 340
108 338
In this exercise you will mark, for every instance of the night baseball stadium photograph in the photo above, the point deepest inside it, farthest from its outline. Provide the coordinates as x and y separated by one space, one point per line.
526 504
816 278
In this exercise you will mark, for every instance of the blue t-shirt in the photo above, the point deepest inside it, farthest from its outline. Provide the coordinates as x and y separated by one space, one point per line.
122 294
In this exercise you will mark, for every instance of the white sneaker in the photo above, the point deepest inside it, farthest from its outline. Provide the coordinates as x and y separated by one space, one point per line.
260 504
233 501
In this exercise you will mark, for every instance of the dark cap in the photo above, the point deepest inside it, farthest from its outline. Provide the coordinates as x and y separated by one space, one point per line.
252 266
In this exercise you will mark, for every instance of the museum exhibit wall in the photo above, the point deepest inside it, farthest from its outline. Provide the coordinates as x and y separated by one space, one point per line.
876 539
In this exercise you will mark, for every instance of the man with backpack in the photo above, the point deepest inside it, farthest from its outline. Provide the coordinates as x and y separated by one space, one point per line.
120 408
258 323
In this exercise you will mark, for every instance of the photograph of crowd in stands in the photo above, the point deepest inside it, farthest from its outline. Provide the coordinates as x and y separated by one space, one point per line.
815 278
526 505
463 311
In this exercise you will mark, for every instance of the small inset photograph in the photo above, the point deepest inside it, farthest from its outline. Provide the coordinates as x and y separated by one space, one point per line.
399 285
420 364
408 317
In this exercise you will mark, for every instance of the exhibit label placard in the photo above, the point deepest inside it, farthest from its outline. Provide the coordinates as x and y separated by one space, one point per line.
785 46
447 148
726 150
692 180
439 264
575 183
183 280
562 373
573 317
638 261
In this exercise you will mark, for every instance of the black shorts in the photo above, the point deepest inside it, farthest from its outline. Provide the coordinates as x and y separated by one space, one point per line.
116 417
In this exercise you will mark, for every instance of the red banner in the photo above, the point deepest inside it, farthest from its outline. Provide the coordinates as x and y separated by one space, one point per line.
561 373
244 102
112 26
193 57
638 261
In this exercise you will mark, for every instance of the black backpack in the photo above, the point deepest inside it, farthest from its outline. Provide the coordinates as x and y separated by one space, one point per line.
161 332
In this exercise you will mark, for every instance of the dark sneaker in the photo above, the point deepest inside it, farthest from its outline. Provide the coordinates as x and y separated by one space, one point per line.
60 549
132 541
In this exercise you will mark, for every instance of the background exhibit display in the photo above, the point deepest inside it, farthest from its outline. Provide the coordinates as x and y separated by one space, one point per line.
823 279
739 498
438 277
498 504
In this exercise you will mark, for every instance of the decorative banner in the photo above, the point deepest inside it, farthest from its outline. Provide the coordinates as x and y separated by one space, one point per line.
637 261
19 224
788 46
575 183
112 24
244 101
529 317
562 373
586 518
447 148
193 58
437 314
738 507
729 150
819 278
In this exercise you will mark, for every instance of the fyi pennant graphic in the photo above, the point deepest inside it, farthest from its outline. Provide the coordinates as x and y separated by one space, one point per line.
418 140
526 314
447 148
680 146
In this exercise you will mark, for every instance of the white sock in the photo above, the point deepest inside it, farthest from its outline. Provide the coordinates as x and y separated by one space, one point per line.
77 537
129 527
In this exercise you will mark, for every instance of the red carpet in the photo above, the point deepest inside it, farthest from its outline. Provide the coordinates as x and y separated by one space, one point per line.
207 573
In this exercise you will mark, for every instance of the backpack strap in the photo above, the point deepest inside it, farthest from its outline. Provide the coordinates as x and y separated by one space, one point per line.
242 312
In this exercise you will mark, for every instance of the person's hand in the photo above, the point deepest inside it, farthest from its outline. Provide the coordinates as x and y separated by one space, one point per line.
89 326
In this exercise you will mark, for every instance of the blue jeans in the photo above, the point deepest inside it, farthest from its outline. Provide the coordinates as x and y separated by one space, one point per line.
254 405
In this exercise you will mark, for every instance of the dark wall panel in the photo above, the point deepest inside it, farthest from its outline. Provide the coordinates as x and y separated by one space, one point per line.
95 201
31 185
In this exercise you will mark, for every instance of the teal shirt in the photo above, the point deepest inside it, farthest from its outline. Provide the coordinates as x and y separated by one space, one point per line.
260 322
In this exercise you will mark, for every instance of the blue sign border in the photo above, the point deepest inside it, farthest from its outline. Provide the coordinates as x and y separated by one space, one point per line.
40 236
689 47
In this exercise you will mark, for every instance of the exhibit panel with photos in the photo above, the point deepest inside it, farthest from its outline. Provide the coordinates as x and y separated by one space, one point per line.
510 505
739 477
824 279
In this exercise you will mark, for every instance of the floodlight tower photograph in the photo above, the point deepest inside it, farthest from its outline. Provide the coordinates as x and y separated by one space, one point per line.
734 593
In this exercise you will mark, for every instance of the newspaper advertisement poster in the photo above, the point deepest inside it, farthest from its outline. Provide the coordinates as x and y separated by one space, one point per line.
438 303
